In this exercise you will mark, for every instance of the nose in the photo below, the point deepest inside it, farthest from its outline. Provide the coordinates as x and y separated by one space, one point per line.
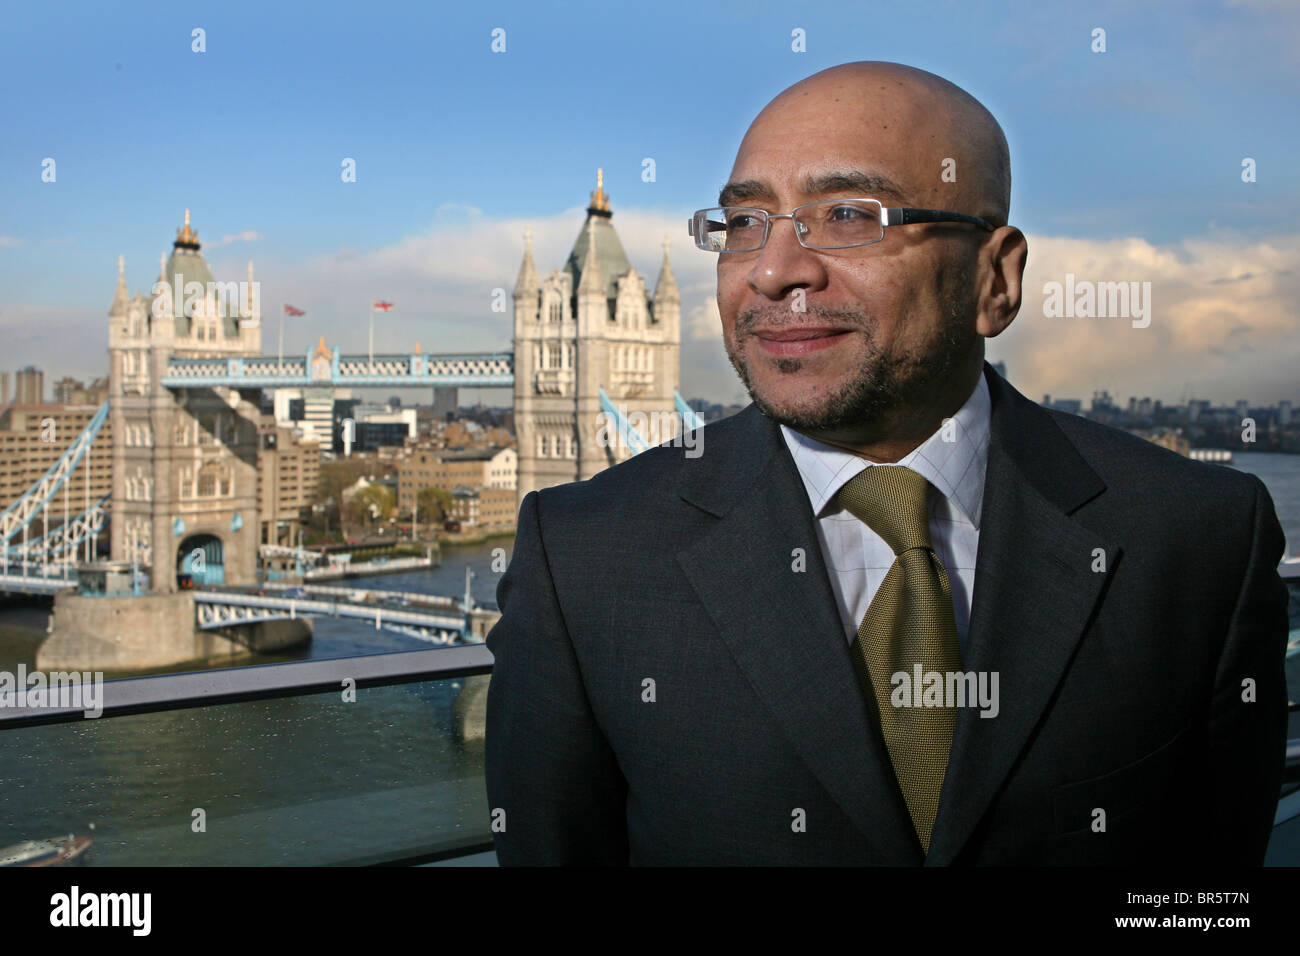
783 265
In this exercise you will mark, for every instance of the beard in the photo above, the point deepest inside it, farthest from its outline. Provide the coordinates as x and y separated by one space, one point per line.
882 386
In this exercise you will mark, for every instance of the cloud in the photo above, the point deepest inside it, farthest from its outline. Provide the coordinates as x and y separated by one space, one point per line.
1223 321
8 241
248 235
57 339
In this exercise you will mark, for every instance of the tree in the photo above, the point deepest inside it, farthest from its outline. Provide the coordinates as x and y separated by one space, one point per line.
377 502
435 504
335 477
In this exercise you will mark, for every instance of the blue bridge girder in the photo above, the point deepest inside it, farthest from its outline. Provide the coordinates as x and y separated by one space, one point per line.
15 519
68 535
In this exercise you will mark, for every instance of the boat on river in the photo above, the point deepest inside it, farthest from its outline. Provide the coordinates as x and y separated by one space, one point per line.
56 851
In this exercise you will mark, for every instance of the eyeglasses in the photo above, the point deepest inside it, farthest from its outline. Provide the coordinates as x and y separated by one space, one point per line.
828 224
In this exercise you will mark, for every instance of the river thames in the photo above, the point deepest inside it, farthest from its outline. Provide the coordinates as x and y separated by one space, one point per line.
296 781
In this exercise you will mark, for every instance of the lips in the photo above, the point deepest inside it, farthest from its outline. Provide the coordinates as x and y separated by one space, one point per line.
801 340
798 334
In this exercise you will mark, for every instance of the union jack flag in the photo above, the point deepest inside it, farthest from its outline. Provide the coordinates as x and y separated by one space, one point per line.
383 306
290 310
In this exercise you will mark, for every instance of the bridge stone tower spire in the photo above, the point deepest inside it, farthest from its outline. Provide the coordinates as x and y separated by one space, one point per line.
184 460
586 327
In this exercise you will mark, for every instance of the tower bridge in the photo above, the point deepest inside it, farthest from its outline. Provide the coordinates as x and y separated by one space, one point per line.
592 347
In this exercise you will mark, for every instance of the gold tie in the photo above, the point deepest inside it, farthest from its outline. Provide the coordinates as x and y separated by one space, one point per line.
910 622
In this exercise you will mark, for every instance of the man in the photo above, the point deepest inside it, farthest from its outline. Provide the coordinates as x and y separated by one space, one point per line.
895 613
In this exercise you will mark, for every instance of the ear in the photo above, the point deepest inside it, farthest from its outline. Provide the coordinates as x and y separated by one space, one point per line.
1002 267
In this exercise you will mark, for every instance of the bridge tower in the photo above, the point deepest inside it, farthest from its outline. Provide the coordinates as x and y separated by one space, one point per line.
589 326
184 460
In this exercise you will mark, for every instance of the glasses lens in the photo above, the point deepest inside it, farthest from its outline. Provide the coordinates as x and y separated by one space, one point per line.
839 222
731 229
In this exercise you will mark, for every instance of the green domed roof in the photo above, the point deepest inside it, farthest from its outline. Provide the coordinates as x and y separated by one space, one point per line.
187 262
613 259
609 252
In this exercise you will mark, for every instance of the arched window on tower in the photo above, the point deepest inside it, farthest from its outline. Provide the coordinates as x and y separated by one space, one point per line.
208 481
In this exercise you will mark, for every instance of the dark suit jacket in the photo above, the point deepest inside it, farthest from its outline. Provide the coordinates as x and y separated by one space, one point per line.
1120 689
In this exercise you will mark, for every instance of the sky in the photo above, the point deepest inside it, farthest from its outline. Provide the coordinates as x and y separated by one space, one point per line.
1126 165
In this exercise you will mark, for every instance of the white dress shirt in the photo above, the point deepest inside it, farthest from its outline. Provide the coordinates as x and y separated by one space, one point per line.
857 559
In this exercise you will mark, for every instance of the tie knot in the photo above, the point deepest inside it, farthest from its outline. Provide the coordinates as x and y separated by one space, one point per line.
891 499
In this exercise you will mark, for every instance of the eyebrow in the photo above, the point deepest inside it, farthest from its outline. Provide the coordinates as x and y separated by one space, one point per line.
866 184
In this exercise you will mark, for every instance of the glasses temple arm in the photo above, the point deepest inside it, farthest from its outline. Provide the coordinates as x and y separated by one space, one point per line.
897 216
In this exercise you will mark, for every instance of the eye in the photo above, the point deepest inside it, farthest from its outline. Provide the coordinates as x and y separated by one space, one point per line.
847 213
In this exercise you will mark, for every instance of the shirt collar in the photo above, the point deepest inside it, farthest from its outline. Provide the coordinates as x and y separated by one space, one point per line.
955 466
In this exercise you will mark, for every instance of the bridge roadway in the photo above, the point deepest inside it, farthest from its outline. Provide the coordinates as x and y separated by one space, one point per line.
34 583
230 608
366 595
216 609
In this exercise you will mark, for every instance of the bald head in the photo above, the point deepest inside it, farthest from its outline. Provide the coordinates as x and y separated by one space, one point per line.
870 345
909 120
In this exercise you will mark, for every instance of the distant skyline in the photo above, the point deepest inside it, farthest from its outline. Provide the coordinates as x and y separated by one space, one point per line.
1127 166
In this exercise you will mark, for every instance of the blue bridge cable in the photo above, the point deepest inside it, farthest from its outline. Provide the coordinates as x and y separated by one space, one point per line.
67 462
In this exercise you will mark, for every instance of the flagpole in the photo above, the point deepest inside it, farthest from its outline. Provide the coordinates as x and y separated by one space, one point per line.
283 309
372 338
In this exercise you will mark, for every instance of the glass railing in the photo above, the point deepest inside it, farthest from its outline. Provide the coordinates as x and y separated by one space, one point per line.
363 760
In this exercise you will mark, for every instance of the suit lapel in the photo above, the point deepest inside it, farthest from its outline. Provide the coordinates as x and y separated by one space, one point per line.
781 625
1034 593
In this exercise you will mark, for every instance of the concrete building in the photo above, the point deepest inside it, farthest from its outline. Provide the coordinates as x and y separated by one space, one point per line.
288 474
29 386
72 391
185 461
489 468
484 509
34 437
446 402
1167 438
378 426
313 412
63 389
589 326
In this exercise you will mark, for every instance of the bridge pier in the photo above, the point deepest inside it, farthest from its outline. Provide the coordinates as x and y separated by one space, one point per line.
271 637
99 632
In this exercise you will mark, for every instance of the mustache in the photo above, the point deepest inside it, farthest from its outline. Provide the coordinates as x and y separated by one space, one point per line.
749 319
